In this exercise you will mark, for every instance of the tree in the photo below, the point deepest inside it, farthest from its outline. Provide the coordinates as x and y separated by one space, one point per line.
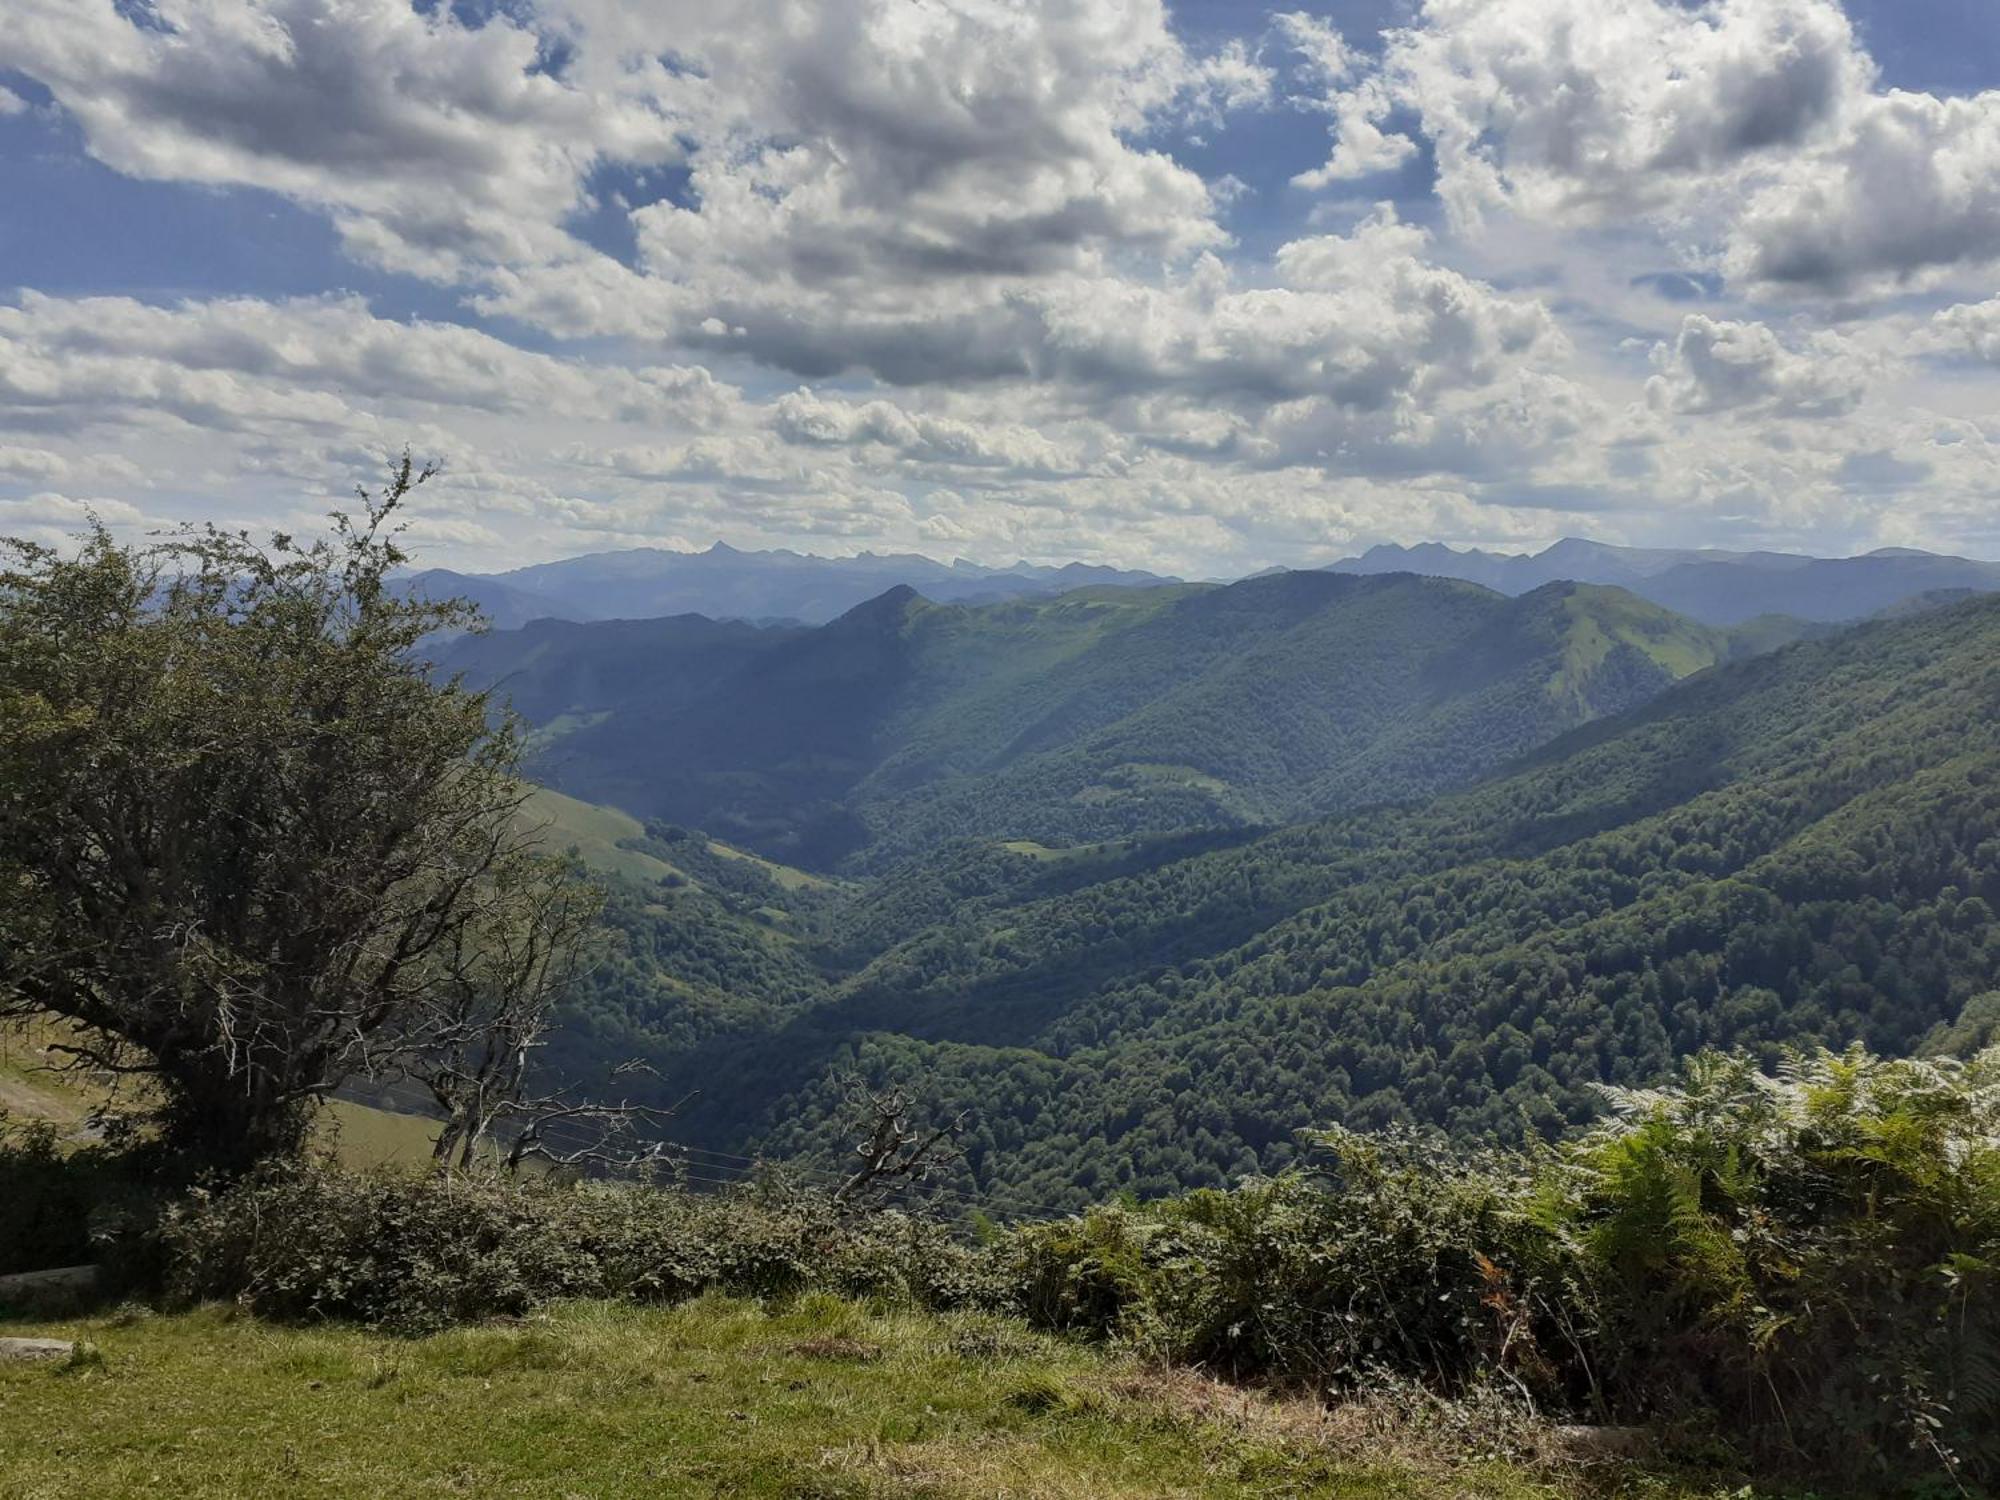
475 1032
890 1148
248 844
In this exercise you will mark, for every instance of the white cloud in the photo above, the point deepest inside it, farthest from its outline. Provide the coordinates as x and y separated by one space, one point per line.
11 103
224 360
878 184
1721 366
1752 131
433 144
1362 320
1968 329
1329 64
51 517
32 464
807 418
1910 193
1582 110
1007 312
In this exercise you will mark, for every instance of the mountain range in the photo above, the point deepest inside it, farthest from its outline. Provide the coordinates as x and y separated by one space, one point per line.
1146 877
1718 588
727 584
1100 713
1802 846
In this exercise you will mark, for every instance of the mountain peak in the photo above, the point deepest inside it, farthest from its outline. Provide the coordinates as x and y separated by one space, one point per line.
892 604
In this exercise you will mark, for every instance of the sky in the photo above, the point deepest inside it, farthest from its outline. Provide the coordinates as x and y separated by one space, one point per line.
1202 288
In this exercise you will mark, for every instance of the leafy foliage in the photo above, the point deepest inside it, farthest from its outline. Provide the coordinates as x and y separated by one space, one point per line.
416 1253
1823 1245
245 837
70 1207
1802 1263
1806 1262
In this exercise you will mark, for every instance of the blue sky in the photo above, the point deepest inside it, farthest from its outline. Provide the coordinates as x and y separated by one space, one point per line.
1202 288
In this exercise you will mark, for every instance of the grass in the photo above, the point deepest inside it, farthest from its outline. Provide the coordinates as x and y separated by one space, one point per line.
600 834
596 833
363 1136
787 878
32 1083
717 1397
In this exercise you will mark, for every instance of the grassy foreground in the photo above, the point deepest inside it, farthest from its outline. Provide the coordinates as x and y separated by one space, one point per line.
713 1398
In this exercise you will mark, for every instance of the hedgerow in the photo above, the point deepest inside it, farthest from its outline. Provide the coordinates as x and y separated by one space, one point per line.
414 1253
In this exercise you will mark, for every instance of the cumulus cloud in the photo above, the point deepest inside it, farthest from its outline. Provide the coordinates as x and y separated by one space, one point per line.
1005 310
1364 320
1361 146
807 418
878 185
1715 365
49 515
832 143
1755 129
1970 329
1586 109
235 359
432 143
1912 190
32 464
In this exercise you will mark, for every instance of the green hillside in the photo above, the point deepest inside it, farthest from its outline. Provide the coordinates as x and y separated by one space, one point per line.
1101 714
1805 846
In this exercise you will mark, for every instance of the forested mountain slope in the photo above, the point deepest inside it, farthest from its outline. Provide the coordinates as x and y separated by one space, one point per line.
1804 846
1104 713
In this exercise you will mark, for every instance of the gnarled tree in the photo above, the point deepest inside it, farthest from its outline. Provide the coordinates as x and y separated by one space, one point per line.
247 842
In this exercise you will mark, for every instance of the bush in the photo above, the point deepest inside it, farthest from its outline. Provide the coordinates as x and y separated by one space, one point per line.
1805 1263
411 1254
1407 1260
1811 1256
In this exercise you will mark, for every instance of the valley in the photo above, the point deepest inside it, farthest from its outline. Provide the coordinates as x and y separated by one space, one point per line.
1561 840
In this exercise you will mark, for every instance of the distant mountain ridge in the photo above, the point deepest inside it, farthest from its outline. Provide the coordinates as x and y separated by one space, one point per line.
725 583
1095 714
1713 586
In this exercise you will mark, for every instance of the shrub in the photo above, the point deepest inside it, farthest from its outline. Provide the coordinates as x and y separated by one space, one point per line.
1805 1263
1405 1259
410 1254
1811 1256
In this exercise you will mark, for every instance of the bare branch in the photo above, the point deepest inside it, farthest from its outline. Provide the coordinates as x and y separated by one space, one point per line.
891 1151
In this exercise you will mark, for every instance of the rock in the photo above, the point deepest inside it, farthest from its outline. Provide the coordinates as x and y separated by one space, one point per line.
22 1351
63 1285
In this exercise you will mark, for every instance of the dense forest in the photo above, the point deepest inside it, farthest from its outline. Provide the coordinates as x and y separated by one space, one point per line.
1803 847
1104 713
